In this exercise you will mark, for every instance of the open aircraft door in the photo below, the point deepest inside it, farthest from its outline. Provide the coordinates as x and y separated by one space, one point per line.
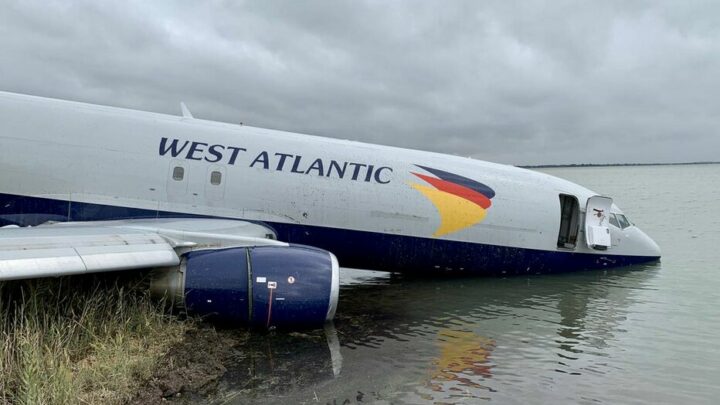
597 217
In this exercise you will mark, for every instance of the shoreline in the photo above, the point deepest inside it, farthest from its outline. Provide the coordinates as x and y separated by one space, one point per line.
95 339
548 166
193 367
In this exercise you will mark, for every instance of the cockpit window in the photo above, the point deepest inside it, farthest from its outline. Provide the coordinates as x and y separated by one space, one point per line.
614 221
624 223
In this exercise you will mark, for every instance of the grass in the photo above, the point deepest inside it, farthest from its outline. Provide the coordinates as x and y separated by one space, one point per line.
80 340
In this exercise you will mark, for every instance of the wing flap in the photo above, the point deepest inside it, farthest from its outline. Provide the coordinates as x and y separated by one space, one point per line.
127 257
59 251
33 264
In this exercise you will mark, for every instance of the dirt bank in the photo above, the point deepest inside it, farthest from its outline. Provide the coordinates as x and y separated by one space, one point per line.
191 370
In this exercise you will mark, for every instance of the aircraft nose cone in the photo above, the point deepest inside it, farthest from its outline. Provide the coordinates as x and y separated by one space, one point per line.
650 247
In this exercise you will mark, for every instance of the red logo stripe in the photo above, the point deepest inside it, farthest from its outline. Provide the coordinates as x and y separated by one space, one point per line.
456 189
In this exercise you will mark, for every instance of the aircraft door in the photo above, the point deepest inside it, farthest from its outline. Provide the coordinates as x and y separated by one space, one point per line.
597 218
177 182
215 183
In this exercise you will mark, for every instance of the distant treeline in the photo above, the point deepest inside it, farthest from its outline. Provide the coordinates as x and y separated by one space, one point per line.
617 164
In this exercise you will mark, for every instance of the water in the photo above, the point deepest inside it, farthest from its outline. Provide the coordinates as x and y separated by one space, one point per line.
647 334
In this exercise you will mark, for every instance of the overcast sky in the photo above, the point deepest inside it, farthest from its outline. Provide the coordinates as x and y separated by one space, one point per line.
511 82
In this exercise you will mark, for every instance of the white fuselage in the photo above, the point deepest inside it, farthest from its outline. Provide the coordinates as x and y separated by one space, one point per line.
116 161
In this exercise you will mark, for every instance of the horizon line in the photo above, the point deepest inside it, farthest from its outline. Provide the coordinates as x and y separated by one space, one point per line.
615 164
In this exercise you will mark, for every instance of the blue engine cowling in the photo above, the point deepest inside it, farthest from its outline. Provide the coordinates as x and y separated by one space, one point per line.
264 287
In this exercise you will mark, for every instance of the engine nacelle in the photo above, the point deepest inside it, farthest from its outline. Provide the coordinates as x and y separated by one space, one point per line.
264 286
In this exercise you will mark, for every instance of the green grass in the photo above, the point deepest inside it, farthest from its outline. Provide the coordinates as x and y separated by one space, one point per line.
81 339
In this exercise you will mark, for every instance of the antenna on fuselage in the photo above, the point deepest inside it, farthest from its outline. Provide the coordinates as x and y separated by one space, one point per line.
185 111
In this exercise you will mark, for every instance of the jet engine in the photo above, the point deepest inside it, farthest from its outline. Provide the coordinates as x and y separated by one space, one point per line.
262 286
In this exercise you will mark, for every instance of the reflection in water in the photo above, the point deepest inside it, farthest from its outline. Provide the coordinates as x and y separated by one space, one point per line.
573 311
419 340
279 363
463 361
334 346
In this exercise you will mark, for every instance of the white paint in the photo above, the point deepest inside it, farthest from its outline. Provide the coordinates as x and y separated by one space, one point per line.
104 155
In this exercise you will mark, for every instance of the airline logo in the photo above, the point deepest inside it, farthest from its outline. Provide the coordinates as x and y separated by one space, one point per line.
461 202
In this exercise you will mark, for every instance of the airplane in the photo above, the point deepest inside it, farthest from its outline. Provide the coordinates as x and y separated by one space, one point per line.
250 225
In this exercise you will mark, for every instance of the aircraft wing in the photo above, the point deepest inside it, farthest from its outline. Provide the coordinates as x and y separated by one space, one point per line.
87 247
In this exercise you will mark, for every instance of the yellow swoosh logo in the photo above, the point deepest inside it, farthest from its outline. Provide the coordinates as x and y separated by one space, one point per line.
456 213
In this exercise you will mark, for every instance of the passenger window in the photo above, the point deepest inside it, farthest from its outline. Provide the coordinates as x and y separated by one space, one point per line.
215 178
614 221
624 223
178 173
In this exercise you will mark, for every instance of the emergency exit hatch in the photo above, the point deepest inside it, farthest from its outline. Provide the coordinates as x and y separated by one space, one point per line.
597 217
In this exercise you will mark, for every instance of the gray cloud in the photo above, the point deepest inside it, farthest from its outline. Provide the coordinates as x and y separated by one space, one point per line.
521 83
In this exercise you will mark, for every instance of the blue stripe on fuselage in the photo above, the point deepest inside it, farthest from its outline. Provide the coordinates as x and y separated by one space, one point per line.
360 249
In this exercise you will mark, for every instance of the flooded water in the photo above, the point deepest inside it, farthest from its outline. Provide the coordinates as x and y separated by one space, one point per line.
648 334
